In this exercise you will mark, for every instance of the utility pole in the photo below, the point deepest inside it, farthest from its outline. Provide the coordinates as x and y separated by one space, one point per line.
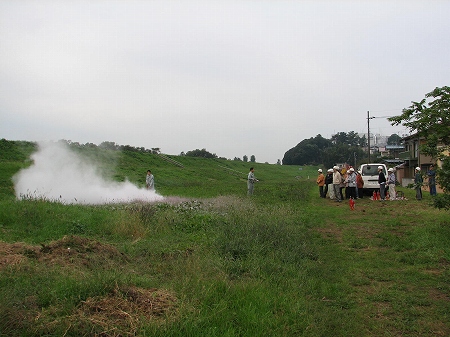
368 133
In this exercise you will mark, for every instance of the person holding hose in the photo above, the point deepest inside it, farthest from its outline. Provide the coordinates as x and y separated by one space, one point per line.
251 181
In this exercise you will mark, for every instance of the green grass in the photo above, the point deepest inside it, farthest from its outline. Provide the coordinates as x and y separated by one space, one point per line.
218 263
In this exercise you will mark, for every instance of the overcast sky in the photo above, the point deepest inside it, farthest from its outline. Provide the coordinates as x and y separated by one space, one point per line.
234 77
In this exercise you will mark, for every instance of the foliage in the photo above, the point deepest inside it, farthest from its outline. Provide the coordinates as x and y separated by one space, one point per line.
342 147
394 139
15 150
342 153
430 119
351 139
201 153
308 151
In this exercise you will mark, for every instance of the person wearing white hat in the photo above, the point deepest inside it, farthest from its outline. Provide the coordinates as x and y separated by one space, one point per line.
320 182
382 182
351 183
391 184
359 185
329 184
337 180
418 181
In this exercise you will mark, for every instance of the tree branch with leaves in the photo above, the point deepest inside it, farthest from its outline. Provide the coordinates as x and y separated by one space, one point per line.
430 119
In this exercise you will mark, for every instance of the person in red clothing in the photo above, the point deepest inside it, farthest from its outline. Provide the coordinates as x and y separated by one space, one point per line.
359 185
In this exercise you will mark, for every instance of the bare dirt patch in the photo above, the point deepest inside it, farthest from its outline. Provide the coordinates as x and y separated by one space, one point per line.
122 312
69 250
11 254
331 232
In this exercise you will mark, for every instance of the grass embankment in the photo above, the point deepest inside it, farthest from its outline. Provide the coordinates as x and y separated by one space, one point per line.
212 262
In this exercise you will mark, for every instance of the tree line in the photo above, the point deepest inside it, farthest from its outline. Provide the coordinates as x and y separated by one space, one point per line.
340 148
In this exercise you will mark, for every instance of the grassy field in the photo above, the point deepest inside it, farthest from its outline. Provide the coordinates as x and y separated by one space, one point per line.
210 261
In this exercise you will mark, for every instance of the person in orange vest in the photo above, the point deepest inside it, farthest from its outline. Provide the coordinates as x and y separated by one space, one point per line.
320 182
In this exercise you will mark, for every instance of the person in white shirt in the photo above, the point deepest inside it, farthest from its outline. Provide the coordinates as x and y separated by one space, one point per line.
150 180
391 184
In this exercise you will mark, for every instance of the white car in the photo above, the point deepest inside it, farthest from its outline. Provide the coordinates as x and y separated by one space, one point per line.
369 173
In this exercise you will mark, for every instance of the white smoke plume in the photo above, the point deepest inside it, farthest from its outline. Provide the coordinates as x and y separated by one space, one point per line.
59 174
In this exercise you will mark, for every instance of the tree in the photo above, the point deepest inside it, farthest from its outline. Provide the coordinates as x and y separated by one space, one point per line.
430 118
394 139
308 151
201 153
245 158
351 139
252 158
109 145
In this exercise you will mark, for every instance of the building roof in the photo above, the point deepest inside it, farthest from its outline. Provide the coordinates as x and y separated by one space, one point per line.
395 147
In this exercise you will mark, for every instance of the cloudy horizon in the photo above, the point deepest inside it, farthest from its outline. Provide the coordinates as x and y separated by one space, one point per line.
235 77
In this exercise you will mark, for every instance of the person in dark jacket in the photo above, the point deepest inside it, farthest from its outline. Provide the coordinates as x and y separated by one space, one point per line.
418 182
382 182
432 180
328 182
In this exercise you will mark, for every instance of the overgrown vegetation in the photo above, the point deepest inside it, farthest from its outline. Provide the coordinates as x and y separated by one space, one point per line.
430 120
209 261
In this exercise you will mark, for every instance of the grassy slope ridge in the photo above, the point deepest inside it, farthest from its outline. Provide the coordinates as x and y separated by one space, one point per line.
212 262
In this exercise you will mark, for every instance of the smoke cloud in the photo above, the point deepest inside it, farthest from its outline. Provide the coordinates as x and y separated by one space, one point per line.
60 174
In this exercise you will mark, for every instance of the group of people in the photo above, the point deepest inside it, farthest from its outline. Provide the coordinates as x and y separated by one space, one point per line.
348 183
418 181
338 179
388 182
339 183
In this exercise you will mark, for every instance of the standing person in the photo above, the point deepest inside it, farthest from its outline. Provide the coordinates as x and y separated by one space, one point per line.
431 173
328 184
391 183
251 181
359 184
382 182
343 184
418 181
351 183
337 179
320 182
150 180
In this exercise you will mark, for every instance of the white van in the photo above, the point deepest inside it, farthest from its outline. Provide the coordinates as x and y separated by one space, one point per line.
369 173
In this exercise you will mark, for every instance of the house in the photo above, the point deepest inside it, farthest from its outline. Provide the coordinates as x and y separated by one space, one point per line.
413 158
394 150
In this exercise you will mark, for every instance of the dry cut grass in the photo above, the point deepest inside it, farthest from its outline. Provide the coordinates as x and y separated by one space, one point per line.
120 312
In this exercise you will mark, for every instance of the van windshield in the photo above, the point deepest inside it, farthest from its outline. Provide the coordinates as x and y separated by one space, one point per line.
370 170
